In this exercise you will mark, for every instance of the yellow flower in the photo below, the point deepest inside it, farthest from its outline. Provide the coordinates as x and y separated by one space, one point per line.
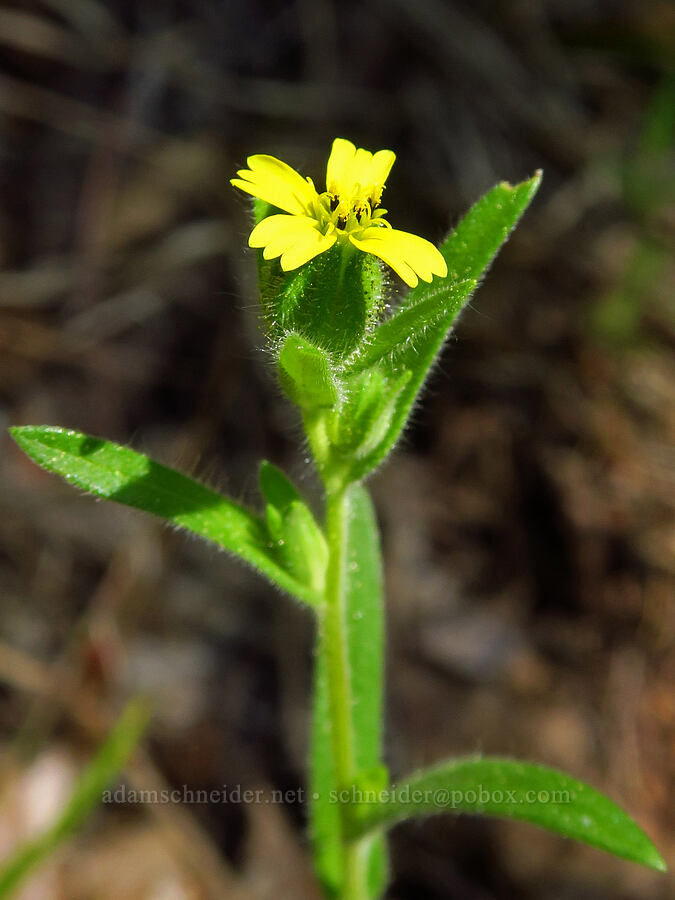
347 211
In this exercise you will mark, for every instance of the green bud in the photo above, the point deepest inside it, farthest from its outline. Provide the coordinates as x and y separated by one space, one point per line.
275 487
359 425
306 374
332 300
303 547
298 541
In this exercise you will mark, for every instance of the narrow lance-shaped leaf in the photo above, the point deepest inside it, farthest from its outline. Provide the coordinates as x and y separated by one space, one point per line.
365 637
473 244
511 790
87 795
468 252
117 473
359 423
409 324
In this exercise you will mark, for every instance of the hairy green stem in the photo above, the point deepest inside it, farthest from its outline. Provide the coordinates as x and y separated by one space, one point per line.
336 647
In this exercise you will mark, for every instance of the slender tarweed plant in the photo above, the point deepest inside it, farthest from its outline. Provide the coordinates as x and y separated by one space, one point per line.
354 372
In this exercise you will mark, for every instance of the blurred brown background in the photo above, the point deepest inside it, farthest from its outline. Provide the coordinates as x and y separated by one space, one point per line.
527 519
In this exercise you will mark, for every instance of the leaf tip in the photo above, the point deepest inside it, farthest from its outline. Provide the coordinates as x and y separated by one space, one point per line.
654 860
535 181
18 433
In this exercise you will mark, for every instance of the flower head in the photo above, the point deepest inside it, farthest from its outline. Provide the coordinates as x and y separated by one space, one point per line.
348 211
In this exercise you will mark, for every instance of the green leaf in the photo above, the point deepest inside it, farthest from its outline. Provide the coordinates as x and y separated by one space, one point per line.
359 424
306 374
511 790
85 798
473 245
468 252
299 541
262 209
363 569
303 546
117 473
275 487
411 322
363 573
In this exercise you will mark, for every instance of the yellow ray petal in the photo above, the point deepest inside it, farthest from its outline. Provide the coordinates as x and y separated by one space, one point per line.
296 239
313 244
350 168
275 233
272 180
409 256
380 167
359 173
339 162
379 247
